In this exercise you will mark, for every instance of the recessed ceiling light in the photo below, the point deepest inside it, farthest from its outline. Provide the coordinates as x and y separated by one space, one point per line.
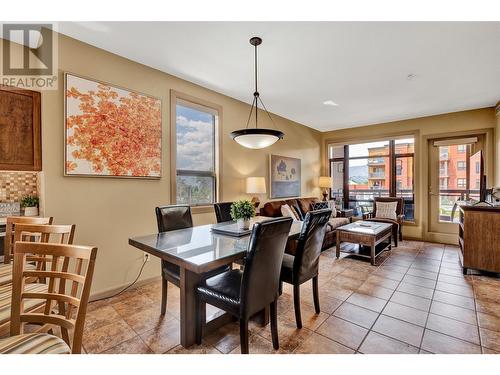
330 102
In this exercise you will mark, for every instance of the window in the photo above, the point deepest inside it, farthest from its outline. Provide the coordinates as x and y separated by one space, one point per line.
461 182
461 148
196 151
374 169
461 165
478 167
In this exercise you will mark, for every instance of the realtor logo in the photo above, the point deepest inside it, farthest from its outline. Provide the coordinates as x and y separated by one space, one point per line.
29 56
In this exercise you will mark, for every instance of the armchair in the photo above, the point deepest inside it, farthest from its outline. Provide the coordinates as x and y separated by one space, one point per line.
397 232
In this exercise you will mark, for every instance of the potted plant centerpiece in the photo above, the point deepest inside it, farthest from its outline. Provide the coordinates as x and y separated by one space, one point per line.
30 204
242 211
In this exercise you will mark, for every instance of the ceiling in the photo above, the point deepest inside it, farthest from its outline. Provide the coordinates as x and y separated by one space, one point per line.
363 67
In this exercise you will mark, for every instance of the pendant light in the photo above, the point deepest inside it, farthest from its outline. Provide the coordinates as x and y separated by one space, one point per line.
256 138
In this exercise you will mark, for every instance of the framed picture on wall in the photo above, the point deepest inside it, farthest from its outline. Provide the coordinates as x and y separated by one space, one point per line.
284 176
110 131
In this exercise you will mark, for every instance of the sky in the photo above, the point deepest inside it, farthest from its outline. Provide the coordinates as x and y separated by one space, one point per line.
194 139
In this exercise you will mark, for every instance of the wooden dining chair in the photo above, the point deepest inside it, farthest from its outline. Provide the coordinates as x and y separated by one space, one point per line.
62 234
8 242
69 270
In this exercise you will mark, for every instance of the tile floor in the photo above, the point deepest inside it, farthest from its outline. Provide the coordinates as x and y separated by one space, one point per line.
415 300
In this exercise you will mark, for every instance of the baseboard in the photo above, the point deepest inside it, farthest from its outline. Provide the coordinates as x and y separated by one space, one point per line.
109 292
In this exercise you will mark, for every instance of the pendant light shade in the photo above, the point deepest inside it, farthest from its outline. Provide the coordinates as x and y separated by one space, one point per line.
257 138
254 137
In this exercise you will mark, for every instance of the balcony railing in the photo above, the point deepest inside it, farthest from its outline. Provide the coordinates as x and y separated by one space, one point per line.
376 175
376 161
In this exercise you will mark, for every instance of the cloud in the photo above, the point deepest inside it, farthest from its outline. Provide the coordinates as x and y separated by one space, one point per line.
194 144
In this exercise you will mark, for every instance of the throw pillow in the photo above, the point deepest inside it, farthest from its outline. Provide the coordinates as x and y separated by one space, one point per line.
319 206
286 211
386 210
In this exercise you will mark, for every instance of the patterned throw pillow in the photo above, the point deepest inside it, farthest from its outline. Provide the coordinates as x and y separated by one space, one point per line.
286 211
386 210
319 205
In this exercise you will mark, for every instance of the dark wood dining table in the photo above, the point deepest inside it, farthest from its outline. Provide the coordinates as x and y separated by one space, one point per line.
196 251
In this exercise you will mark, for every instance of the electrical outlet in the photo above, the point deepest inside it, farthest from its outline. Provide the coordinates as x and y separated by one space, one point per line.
147 257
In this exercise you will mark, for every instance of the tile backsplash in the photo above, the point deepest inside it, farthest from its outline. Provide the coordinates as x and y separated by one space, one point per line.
15 185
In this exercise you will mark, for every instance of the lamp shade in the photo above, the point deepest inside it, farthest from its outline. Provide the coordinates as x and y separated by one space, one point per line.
256 185
325 182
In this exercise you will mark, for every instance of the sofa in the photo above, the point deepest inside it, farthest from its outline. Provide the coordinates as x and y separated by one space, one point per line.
303 206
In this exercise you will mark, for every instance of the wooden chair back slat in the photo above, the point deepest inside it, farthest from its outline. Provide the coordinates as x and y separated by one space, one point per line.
11 221
71 270
43 234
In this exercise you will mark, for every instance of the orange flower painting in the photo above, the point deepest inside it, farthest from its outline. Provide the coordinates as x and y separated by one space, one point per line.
111 131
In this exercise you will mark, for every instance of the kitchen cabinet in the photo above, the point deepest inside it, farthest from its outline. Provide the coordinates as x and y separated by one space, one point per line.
20 130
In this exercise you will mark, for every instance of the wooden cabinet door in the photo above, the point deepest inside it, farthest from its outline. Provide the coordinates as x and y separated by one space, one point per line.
20 133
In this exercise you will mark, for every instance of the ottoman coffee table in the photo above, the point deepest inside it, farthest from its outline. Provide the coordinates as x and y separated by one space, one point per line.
371 237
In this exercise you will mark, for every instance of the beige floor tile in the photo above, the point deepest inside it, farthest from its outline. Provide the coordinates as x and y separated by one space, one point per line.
490 322
375 290
419 281
164 338
415 290
490 339
368 302
289 336
451 327
399 330
195 349
406 313
343 332
356 314
411 300
133 346
454 312
310 319
107 337
438 343
376 343
259 345
454 299
318 344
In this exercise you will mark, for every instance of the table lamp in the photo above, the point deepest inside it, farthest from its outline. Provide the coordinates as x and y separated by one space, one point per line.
325 182
256 185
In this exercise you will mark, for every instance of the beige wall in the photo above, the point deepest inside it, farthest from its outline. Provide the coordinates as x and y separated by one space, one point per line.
108 211
422 129
497 146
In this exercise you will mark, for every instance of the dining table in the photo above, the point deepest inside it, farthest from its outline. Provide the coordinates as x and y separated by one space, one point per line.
198 250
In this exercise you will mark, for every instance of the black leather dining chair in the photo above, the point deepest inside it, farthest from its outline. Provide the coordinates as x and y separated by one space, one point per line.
245 293
223 211
168 218
303 266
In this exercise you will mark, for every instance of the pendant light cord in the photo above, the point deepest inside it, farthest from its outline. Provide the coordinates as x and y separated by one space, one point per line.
256 99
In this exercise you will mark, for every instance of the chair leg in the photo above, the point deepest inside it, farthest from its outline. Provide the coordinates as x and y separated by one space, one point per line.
164 292
400 235
198 321
274 324
281 288
296 305
316 294
244 336
395 235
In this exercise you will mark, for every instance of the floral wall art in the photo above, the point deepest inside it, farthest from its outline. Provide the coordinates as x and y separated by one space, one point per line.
110 131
